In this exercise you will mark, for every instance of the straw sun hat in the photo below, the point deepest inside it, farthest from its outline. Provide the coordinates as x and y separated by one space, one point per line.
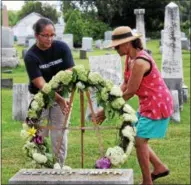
121 35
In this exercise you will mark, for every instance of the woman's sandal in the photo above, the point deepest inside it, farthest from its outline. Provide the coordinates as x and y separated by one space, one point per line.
163 174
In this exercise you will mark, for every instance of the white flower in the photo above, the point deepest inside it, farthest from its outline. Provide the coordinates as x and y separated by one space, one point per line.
64 167
24 134
32 114
25 126
82 73
129 132
80 85
128 109
108 84
116 155
57 166
46 88
34 105
41 159
94 78
116 91
130 117
118 103
64 77
54 82
129 148
38 97
104 94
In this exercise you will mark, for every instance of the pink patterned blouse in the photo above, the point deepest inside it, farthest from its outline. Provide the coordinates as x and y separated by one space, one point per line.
155 100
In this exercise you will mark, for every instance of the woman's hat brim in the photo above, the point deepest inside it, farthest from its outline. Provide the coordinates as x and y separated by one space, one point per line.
122 41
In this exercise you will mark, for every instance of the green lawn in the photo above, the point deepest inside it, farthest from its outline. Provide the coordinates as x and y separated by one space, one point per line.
174 150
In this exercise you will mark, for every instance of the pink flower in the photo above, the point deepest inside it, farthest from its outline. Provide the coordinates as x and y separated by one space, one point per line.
103 163
37 139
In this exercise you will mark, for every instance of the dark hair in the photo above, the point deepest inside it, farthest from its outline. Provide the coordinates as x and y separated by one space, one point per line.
137 44
40 24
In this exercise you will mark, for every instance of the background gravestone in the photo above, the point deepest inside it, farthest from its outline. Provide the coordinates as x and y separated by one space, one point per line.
108 35
176 114
87 43
98 44
9 54
68 39
109 67
172 70
140 24
21 100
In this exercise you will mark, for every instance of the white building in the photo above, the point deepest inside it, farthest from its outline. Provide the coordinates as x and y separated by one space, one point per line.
24 27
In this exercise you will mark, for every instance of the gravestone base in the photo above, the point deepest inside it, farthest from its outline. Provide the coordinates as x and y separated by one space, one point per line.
9 52
74 176
176 84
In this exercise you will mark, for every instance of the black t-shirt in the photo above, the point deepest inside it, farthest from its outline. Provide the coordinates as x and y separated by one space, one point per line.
47 63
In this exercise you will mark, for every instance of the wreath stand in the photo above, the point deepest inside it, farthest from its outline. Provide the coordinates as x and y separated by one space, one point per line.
82 126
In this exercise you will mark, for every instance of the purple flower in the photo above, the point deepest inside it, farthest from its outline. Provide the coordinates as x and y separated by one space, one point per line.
37 139
103 163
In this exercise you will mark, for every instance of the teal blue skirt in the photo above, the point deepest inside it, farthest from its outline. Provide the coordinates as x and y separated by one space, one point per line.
149 128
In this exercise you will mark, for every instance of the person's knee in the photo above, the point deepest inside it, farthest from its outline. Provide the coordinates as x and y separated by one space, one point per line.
140 142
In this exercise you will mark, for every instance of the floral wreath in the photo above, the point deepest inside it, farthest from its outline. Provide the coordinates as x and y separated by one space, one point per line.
109 96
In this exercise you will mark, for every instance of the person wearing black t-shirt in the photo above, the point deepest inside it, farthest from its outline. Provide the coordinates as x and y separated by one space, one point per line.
43 60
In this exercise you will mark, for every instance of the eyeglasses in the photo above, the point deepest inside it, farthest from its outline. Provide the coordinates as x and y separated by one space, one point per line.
47 36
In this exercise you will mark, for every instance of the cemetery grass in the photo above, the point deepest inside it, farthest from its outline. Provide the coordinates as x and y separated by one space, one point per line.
174 149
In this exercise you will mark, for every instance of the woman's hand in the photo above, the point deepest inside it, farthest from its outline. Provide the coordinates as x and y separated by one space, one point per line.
64 105
99 116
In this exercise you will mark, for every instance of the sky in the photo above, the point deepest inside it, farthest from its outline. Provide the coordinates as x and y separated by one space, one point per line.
16 5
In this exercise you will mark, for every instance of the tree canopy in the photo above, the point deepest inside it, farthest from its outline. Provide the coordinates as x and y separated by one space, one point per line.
121 12
44 9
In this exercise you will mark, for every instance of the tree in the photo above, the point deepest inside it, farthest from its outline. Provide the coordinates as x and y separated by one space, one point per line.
74 25
13 17
45 10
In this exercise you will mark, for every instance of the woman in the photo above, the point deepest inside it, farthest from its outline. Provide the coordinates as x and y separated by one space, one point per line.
142 78
43 60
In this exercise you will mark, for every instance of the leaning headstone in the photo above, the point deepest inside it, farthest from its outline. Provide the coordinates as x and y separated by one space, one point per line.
21 99
172 70
73 177
87 43
9 54
7 83
140 24
68 39
176 115
109 67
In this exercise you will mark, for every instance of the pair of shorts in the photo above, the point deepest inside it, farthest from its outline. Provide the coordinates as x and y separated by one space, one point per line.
149 128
